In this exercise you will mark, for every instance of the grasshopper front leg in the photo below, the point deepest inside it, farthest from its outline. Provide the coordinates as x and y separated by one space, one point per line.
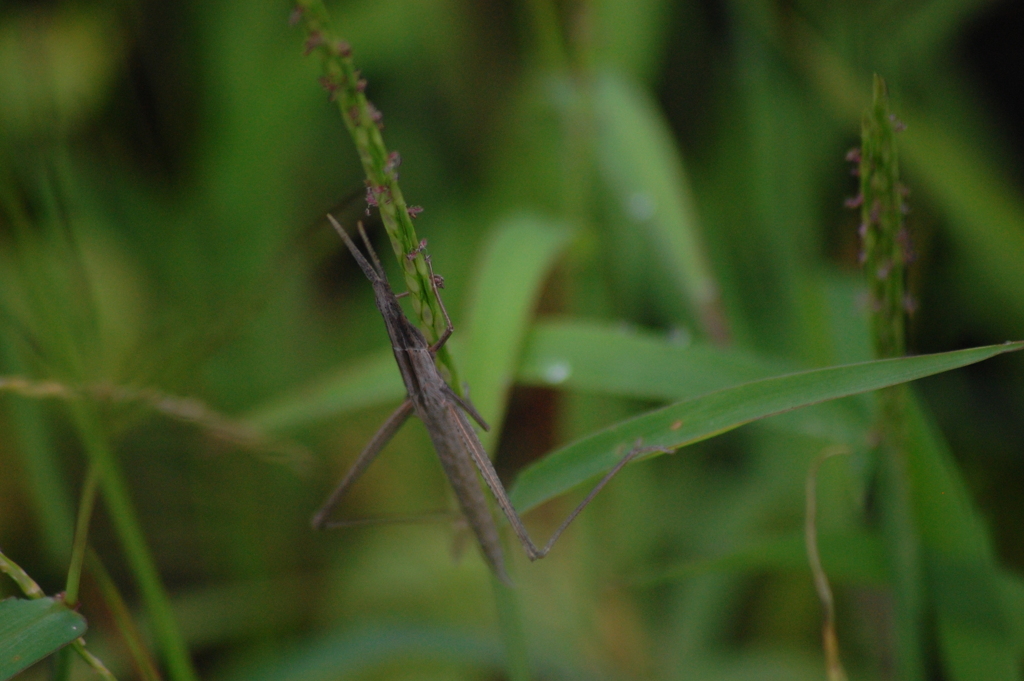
464 402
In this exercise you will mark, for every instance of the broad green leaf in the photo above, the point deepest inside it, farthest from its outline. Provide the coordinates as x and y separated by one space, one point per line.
854 556
698 419
514 265
32 629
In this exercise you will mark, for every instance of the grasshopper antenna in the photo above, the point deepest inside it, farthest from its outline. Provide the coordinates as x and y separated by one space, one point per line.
369 249
371 273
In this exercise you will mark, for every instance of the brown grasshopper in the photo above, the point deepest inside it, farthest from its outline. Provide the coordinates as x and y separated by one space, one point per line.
443 413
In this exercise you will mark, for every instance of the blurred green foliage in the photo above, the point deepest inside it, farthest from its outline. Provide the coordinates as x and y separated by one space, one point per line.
632 202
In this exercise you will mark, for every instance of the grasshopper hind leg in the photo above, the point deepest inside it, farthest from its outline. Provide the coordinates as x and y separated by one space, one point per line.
369 453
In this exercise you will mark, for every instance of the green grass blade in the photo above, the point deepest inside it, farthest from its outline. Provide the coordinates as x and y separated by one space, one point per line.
567 354
641 166
43 479
516 262
698 419
369 381
974 631
609 360
628 362
513 634
141 563
32 629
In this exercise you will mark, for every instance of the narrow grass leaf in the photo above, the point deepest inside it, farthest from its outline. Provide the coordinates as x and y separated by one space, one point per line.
642 167
698 419
608 360
974 631
369 381
32 629
628 362
507 285
140 560
515 263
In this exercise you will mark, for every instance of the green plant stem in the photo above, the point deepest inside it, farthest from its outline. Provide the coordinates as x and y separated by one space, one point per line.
830 641
60 664
886 243
342 80
45 485
92 660
122 618
61 660
27 585
901 535
510 622
78 547
133 542
886 252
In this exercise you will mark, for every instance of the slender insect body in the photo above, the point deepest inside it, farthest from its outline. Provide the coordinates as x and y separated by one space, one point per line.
431 400
443 412
431 403
452 436
463 477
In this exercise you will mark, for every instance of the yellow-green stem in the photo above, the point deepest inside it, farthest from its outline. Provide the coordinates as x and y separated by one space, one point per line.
140 561
78 547
346 88
27 585
122 618
886 253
